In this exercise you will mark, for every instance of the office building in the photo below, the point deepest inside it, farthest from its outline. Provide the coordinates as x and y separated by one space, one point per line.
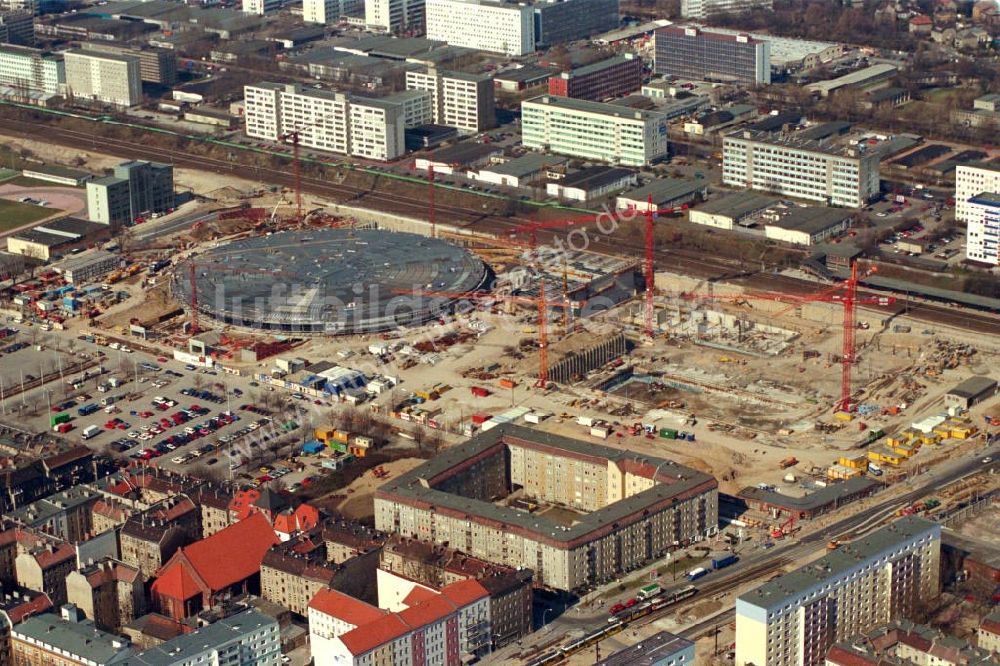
103 77
592 130
660 649
67 639
629 511
463 101
157 66
433 628
983 228
247 638
28 74
561 21
793 619
971 180
484 25
326 12
690 52
835 174
262 7
332 121
17 27
699 9
136 189
606 79
395 16
417 107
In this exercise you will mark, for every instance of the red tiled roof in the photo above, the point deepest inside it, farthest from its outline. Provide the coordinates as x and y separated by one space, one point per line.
427 612
346 608
921 20
242 504
177 583
230 555
418 594
304 518
990 625
39 604
47 558
464 592
361 640
844 657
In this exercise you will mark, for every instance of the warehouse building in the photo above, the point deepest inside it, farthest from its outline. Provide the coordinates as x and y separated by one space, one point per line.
833 173
794 619
44 240
664 192
592 183
88 266
603 80
626 510
704 55
971 392
517 172
459 158
864 79
731 211
53 173
805 226
591 130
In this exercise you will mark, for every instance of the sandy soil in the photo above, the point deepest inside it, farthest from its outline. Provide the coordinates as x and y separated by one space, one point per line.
359 502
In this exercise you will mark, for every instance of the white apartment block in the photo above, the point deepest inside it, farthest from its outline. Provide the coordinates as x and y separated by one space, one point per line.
592 130
332 121
103 77
483 25
395 16
417 105
699 9
983 230
463 101
795 618
28 72
326 12
261 7
836 175
970 180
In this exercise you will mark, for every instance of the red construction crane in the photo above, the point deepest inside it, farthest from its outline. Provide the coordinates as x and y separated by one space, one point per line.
649 214
193 267
430 197
295 137
845 293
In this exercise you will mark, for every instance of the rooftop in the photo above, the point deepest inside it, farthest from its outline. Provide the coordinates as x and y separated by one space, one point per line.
665 190
346 608
988 198
598 66
709 34
526 73
596 177
836 564
187 647
736 205
813 500
56 170
464 153
811 220
526 165
860 77
80 641
648 652
586 106
674 481
786 50
973 387
42 510
797 141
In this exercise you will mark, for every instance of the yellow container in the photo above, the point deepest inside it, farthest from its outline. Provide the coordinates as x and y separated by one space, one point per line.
844 416
858 462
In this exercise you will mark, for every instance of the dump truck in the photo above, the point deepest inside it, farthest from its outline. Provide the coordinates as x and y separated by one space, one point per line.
790 461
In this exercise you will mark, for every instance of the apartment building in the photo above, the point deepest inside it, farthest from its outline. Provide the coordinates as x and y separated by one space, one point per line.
484 25
560 21
971 181
137 188
793 619
65 515
326 12
27 74
835 174
606 79
148 540
434 628
246 638
157 66
395 16
332 121
905 642
592 130
983 228
693 53
699 9
103 77
67 639
43 567
463 101
109 593
262 7
417 106
17 27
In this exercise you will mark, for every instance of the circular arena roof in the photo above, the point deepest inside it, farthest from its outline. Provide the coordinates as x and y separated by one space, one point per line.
328 281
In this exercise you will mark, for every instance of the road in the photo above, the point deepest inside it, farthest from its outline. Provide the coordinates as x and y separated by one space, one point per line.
157 229
688 262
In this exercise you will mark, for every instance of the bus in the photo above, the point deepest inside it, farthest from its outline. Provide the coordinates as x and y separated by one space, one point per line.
649 592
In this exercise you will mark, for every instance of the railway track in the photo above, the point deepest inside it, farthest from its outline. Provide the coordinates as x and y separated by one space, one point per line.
688 262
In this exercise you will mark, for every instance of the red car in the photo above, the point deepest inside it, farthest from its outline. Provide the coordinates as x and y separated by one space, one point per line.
617 608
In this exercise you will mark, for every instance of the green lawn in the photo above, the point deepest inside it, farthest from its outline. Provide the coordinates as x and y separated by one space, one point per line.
14 214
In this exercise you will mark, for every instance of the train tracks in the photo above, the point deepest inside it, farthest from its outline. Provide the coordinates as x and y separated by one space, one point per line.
687 262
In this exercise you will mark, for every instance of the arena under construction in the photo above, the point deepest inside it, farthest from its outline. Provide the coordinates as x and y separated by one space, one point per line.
330 281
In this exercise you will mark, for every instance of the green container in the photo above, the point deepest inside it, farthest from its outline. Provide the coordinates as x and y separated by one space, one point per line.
339 446
668 433
58 418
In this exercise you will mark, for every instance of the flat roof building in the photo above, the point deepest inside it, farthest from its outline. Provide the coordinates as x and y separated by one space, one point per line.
103 77
518 171
463 101
87 266
591 130
698 9
971 392
484 25
793 619
248 638
837 175
599 81
614 496
30 75
865 79
591 183
665 193
660 649
731 210
706 55
805 226
53 173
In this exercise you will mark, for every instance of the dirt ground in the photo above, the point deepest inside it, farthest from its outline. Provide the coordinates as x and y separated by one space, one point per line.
360 503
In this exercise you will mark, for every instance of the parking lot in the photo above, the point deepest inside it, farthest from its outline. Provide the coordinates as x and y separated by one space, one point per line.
161 412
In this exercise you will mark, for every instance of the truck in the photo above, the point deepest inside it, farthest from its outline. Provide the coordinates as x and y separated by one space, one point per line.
874 469
649 591
87 410
109 400
63 428
479 391
724 561
90 431
668 433
697 573
56 419
790 461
